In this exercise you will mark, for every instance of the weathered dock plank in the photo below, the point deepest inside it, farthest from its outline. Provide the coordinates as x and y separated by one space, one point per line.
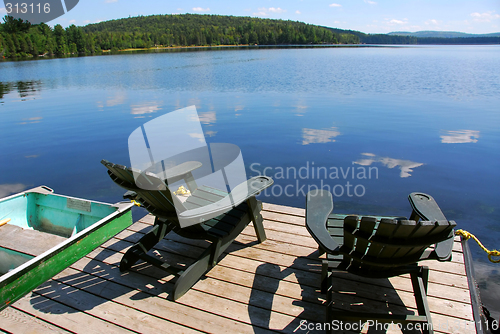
255 288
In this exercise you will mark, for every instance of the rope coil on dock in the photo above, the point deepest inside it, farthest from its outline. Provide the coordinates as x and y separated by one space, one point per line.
467 235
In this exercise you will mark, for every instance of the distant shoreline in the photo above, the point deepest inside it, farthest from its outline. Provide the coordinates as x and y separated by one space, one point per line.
223 46
194 47
252 46
359 45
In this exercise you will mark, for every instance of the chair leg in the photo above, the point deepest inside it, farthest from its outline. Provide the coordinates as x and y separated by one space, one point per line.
324 276
208 259
195 271
419 281
254 208
148 241
328 282
425 277
192 274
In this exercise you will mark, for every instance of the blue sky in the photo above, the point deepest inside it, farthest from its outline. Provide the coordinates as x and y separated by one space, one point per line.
370 16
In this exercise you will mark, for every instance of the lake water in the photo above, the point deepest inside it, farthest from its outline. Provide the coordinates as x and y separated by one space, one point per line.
418 118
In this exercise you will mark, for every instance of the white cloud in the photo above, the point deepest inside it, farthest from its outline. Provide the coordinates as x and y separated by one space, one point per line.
370 2
298 12
388 25
485 17
433 22
335 5
86 21
394 21
263 11
110 1
199 9
3 10
72 21
276 10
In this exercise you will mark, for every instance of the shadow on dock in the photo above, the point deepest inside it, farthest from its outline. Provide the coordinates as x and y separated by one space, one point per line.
349 295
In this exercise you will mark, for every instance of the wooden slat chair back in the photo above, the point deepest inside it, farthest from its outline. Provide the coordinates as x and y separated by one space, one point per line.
154 195
391 243
159 202
380 247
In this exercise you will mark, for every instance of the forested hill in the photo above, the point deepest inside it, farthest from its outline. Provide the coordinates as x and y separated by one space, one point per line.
194 29
20 39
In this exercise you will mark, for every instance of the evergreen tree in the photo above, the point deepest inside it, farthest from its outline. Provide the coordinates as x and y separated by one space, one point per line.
60 37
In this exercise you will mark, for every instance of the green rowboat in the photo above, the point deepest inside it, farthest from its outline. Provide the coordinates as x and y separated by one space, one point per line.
43 233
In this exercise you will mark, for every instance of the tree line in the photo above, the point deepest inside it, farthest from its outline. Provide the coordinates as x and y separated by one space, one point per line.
21 39
407 39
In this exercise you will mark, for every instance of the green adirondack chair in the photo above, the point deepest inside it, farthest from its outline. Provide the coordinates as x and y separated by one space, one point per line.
378 247
232 212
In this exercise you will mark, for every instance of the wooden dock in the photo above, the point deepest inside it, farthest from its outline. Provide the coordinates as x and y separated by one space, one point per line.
256 288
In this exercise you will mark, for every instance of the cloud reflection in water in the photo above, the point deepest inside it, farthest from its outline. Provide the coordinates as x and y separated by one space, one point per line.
145 108
406 166
207 117
315 136
460 137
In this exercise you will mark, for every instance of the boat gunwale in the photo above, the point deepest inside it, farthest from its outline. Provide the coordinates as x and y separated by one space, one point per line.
4 279
122 208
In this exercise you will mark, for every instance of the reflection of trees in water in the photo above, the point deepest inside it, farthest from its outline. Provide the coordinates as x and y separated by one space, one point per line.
24 88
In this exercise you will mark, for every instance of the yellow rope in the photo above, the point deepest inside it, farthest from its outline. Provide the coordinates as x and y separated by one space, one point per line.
135 202
467 235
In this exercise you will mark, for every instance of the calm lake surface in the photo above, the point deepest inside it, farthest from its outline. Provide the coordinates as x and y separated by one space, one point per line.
383 121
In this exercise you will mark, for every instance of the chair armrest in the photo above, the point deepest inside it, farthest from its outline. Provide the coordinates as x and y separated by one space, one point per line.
425 207
239 194
444 248
319 205
179 172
